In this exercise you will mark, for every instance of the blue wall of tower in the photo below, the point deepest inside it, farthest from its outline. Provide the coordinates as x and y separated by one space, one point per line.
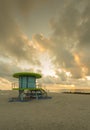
27 82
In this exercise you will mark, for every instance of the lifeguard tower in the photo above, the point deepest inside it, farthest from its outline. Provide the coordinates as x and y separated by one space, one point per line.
27 86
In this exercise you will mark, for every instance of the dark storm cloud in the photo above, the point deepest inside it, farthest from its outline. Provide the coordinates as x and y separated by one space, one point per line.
71 35
43 42
14 44
26 6
7 69
84 37
12 40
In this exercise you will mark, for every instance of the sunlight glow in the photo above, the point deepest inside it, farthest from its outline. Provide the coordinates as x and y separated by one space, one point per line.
47 68
88 77
68 74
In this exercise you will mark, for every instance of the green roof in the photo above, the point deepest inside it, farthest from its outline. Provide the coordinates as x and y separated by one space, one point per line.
29 74
32 89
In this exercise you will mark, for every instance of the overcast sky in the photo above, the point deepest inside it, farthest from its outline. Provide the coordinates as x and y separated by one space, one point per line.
51 37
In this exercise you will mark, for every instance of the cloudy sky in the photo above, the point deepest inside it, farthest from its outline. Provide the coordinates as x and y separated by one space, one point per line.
51 37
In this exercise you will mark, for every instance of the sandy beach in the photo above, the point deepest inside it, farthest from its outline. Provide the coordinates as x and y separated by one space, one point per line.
61 112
